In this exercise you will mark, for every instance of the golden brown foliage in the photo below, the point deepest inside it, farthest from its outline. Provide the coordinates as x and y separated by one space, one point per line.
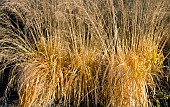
83 52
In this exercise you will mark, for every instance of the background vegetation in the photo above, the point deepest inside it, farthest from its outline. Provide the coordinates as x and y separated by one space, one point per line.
106 53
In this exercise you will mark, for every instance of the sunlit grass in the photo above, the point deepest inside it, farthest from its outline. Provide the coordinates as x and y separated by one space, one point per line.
83 53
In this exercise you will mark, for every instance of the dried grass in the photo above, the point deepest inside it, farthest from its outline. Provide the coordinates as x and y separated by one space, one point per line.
83 53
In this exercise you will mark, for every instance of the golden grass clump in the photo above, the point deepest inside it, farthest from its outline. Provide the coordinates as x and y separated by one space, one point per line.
83 52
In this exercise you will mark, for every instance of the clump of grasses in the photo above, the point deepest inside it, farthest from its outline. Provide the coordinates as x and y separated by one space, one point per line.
83 53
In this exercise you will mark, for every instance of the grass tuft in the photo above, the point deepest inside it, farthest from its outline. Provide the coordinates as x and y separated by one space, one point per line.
83 52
